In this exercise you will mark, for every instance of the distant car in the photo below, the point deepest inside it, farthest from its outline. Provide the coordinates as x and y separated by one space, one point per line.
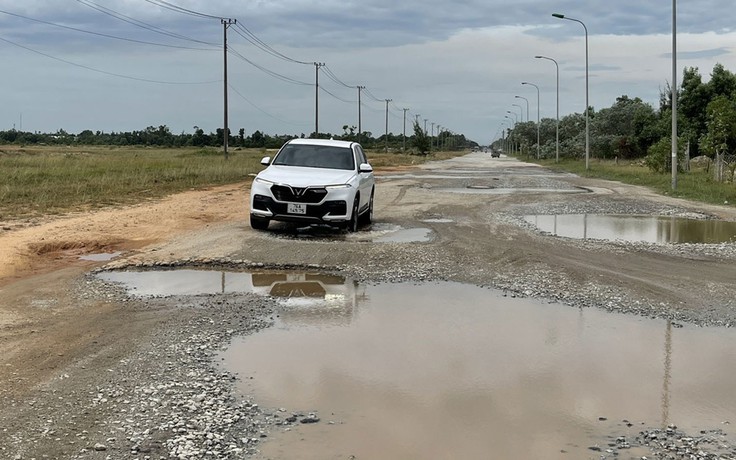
495 154
314 181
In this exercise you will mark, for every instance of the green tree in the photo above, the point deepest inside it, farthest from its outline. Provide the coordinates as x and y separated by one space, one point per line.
420 139
720 137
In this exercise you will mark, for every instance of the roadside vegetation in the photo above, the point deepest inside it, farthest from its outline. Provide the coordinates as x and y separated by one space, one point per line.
41 180
634 131
697 184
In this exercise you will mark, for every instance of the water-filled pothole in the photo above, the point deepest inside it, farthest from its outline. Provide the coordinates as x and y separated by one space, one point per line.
650 229
405 235
292 287
101 257
510 191
448 370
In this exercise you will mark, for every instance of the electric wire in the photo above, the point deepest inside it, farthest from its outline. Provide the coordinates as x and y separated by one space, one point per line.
269 72
243 31
179 9
334 78
263 111
369 94
128 77
322 88
99 33
139 23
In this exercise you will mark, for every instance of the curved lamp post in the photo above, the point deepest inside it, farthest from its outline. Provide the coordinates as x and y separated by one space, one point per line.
587 104
537 87
527 105
521 113
557 134
513 125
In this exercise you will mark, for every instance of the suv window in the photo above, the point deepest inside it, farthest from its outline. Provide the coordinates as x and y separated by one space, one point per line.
315 156
361 155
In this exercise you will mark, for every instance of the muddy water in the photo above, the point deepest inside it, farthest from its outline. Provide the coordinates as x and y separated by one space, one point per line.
448 371
650 229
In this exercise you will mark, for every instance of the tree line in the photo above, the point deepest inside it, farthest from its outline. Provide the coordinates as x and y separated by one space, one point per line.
420 142
633 129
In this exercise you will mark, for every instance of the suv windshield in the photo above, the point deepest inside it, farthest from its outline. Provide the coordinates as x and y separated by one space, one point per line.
315 156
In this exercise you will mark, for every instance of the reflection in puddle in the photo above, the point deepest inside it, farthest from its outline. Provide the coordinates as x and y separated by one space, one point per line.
285 285
454 371
650 229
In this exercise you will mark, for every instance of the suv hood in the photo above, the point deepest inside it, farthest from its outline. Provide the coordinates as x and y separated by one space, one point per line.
303 177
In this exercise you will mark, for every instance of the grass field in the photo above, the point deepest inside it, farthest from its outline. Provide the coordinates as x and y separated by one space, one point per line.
41 180
697 184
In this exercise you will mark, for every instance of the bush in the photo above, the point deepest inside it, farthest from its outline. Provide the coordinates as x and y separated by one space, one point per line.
659 156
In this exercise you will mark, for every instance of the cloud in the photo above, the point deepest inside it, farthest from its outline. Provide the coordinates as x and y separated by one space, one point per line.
700 54
459 63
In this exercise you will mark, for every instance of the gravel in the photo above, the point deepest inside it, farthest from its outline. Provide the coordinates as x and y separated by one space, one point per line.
170 399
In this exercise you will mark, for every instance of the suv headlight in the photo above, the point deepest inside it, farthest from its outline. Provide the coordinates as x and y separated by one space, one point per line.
339 187
263 181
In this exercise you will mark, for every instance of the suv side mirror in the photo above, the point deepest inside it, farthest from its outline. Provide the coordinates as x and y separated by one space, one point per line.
365 168
265 161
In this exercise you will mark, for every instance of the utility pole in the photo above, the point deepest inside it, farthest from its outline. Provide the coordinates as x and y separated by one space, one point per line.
359 125
387 101
405 110
416 118
225 131
425 126
431 138
317 65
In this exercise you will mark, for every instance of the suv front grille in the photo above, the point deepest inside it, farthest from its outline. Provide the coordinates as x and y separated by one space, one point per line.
298 194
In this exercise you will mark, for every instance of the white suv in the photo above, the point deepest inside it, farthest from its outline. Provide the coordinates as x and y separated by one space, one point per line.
314 181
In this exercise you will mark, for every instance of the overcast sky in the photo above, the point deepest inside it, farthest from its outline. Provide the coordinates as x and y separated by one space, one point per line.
459 64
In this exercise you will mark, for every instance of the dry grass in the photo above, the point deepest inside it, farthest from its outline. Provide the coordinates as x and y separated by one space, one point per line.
41 180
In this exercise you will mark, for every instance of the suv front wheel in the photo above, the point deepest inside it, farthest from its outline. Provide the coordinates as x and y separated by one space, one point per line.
258 223
352 225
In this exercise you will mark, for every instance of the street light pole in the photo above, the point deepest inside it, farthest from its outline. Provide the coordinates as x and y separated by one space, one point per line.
537 87
387 101
587 102
521 113
527 105
557 134
674 94
360 127
405 110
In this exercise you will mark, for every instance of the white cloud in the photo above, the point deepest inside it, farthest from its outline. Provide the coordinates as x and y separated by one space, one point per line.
458 64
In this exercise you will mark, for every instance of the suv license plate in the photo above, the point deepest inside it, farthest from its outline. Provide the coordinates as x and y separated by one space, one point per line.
296 208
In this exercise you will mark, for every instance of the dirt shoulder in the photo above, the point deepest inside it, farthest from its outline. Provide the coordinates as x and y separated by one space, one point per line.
53 319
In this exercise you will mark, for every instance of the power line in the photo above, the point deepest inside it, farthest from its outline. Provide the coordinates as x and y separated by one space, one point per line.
179 9
263 111
336 97
243 31
99 33
334 78
128 77
139 23
372 96
269 72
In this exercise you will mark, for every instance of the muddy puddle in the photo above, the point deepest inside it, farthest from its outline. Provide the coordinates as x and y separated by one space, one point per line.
101 257
490 190
378 232
649 229
292 287
445 370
